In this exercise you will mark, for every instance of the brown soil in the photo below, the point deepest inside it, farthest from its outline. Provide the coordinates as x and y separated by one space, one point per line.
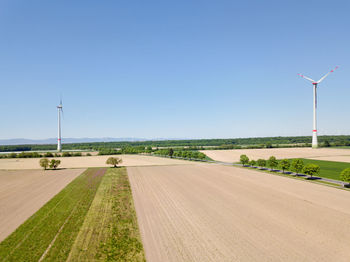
220 213
23 192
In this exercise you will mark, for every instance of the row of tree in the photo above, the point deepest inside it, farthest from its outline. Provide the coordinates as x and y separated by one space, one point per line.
187 154
297 165
53 163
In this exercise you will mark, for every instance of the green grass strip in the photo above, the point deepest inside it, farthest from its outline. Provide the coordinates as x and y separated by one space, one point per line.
60 220
328 169
110 231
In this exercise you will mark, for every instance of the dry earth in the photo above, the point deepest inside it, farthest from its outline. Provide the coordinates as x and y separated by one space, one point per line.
342 155
24 192
221 213
89 161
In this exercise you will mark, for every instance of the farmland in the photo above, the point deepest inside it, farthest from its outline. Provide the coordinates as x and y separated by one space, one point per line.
70 221
237 214
23 192
177 211
89 161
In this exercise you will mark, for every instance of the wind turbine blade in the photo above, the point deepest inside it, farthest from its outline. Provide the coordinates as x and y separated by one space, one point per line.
307 78
323 77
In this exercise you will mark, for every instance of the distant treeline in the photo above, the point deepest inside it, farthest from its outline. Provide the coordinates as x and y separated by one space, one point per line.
220 143
39 155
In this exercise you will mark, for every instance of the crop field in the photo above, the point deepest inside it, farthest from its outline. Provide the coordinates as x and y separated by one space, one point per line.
110 224
23 192
210 212
91 219
340 155
89 161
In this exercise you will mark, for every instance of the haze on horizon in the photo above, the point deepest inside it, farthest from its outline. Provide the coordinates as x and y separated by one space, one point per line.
187 69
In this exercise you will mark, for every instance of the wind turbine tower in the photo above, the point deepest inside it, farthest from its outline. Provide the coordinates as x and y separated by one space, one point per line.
59 142
315 83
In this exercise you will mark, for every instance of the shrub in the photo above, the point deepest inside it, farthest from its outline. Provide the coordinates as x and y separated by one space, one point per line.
66 154
114 161
48 154
77 154
88 154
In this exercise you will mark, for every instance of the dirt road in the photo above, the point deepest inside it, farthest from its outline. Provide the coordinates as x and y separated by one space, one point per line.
331 154
220 213
23 192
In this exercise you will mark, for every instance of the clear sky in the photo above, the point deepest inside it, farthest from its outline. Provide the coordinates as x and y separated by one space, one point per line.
172 69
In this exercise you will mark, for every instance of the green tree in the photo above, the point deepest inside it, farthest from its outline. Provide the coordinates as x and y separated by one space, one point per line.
171 152
48 154
261 162
284 164
345 175
114 161
66 154
311 170
252 162
297 165
326 143
244 160
272 162
54 163
44 163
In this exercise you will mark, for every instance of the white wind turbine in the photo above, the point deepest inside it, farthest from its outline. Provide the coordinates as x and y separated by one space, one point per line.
315 83
59 142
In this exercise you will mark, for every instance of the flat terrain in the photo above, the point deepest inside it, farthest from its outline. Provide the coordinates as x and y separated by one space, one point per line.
341 155
89 161
210 212
23 192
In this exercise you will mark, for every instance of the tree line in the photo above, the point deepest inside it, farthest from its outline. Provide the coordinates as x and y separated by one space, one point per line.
296 165
228 143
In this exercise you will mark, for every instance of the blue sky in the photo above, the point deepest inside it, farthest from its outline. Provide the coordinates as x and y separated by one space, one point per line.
172 69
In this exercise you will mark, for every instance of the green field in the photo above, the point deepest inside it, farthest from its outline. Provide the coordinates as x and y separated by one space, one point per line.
110 231
329 169
93 215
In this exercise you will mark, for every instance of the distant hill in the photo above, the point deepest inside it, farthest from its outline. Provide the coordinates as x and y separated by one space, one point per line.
23 141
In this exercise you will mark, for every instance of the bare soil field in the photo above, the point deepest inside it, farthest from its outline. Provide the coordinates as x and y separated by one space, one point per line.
89 161
330 154
221 213
23 192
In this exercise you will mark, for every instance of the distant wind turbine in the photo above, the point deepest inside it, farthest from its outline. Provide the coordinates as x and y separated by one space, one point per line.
59 142
315 83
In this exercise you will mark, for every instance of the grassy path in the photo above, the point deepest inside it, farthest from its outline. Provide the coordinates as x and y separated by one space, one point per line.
110 231
49 234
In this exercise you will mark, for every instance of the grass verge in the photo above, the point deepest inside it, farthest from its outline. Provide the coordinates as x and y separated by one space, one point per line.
110 231
49 234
